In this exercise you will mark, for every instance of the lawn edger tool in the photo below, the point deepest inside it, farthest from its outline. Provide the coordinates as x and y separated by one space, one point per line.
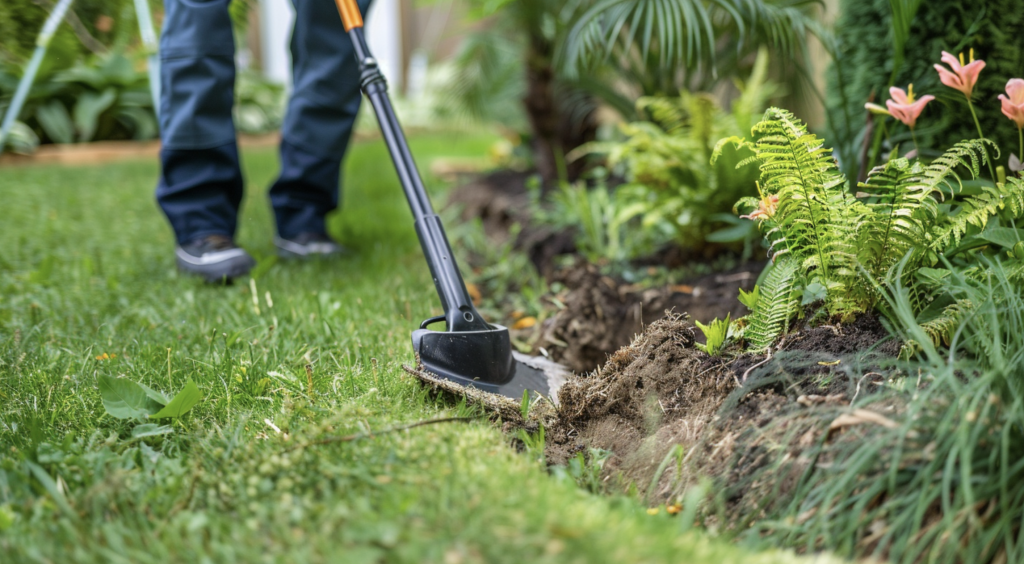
470 352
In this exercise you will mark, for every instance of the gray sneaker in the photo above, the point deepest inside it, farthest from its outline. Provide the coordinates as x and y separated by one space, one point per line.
215 257
306 245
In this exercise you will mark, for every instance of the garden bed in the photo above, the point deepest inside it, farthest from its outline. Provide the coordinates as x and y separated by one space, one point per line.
653 412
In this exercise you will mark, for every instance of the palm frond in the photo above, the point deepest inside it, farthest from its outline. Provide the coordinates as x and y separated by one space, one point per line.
681 34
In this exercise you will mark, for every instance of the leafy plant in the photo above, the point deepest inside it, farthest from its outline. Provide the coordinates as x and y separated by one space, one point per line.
851 245
665 47
665 161
750 299
715 334
259 103
104 98
124 399
585 469
560 58
607 223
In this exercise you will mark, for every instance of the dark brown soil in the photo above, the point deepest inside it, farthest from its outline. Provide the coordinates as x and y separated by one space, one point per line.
650 396
864 333
602 315
495 198
750 439
500 199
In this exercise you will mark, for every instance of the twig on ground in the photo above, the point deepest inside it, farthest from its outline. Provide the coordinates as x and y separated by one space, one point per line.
371 433
758 365
857 392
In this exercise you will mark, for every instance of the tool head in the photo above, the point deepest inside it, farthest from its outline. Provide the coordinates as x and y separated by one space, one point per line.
485 360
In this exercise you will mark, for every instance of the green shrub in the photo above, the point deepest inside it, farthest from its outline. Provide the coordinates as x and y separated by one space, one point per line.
103 98
665 160
21 20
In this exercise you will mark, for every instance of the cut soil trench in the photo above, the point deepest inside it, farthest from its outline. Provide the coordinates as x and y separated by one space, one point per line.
669 414
601 314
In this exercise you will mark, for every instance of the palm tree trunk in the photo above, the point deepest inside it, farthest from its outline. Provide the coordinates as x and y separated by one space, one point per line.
542 110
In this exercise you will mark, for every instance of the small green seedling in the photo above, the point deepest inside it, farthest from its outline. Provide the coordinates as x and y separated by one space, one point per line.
750 298
715 334
524 407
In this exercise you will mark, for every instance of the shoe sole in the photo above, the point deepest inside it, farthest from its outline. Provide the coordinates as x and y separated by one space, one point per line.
221 271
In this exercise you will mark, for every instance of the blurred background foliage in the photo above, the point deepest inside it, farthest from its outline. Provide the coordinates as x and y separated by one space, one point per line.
561 74
865 65
93 84
563 61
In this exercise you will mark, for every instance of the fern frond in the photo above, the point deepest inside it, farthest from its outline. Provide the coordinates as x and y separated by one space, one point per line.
737 142
976 211
776 305
669 113
940 329
970 153
901 211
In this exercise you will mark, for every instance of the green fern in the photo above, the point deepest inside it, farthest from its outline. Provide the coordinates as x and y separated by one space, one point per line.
940 330
904 206
901 209
776 304
855 246
816 219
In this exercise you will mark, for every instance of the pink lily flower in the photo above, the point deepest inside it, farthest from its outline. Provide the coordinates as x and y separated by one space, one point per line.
1013 106
765 210
903 107
963 76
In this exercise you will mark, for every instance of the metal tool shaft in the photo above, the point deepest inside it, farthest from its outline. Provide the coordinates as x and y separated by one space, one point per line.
460 314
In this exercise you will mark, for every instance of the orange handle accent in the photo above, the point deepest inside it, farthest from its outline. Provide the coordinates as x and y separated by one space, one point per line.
350 15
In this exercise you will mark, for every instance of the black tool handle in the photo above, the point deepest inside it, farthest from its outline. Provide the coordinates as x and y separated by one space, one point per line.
460 314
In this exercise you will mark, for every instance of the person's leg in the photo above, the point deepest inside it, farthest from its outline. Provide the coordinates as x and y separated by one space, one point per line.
200 186
319 121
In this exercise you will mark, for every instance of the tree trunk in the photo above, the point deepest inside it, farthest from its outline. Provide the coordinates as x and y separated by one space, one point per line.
542 110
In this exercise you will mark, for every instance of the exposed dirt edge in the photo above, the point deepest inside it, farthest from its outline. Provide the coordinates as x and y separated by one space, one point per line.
661 393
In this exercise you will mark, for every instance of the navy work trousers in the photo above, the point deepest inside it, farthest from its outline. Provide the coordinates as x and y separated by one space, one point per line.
200 186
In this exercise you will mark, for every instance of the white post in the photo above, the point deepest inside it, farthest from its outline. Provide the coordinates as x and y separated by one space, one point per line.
276 20
149 40
383 33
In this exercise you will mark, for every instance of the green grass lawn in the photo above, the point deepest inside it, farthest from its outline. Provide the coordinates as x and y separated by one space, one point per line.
88 288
